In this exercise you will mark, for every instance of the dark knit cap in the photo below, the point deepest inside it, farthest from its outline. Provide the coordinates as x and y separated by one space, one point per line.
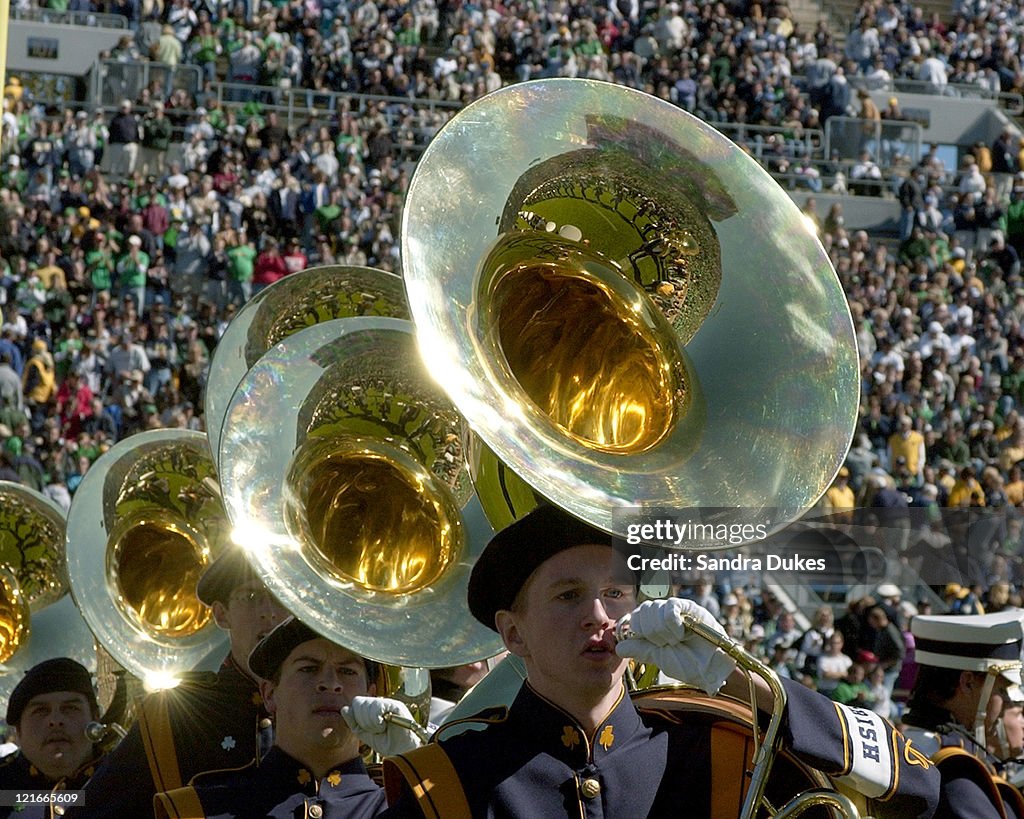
60 674
513 553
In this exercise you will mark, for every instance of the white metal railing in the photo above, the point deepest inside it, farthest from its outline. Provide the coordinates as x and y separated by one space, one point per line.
94 19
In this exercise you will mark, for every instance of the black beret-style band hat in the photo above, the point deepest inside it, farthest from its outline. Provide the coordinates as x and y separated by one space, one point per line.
271 652
516 551
224 575
48 677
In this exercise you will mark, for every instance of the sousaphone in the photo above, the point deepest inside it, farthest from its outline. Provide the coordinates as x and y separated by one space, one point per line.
343 471
38 619
144 524
627 309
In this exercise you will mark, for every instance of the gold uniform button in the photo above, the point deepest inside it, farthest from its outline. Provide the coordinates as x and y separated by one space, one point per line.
59 810
315 811
590 788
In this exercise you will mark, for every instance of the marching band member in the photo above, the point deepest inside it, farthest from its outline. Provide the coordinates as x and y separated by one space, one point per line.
322 696
574 744
50 710
209 721
968 683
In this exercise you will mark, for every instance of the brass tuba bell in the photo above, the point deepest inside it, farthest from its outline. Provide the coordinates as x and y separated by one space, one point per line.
344 476
38 620
626 308
144 524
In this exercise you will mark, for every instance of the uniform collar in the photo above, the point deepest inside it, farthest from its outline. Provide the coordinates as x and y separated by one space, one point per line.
563 737
44 782
232 678
83 774
346 779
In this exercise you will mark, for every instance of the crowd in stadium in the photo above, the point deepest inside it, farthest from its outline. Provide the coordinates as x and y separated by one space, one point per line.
130 238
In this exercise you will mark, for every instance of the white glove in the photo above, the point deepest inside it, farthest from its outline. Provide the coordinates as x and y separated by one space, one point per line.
365 717
657 635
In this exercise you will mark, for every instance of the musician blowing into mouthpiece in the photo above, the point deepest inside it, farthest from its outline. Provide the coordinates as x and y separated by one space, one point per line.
573 743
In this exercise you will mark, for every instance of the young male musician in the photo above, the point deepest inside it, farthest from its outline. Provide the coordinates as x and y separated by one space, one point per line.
323 699
969 683
210 720
574 744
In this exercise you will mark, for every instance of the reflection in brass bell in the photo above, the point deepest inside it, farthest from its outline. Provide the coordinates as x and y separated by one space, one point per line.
38 621
613 378
32 572
590 788
14 615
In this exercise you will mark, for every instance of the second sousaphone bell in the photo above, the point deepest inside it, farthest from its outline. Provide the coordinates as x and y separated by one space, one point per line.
343 473
145 523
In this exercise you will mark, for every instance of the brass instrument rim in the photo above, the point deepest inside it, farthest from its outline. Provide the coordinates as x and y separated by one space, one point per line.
229 364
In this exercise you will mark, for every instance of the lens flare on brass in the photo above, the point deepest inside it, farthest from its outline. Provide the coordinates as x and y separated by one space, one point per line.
154 566
372 517
14 616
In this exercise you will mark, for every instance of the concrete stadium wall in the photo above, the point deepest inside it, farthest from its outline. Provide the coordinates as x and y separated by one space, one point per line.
54 48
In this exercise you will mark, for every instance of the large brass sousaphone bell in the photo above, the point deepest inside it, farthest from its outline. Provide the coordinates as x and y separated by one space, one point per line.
295 302
344 476
626 308
343 468
144 524
38 620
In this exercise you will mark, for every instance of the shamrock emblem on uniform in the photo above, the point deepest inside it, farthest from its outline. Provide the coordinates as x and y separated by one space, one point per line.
570 737
228 743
